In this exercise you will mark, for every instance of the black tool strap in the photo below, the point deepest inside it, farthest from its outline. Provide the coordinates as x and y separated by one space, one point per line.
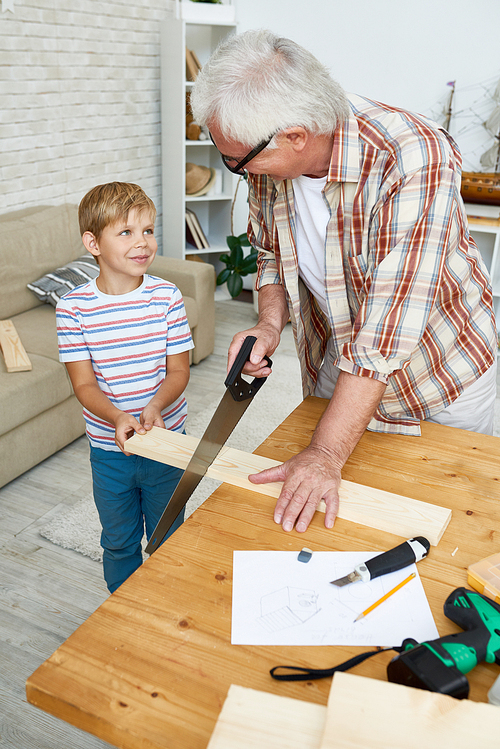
306 674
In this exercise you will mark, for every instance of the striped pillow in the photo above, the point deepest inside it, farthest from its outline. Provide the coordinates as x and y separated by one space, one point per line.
51 287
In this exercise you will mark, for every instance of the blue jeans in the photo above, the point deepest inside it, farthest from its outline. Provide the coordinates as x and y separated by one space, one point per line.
130 492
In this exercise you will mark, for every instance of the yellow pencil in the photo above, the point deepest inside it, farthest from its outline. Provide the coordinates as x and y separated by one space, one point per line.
384 598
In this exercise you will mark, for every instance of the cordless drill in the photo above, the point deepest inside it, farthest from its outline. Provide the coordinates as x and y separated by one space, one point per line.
440 665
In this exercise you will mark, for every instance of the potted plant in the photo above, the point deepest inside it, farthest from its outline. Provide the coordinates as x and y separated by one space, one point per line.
237 263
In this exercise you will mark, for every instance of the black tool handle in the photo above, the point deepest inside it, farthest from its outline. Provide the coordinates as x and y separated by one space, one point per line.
239 388
401 556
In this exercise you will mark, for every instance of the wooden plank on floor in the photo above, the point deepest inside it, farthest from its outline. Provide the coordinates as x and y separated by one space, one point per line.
14 353
375 508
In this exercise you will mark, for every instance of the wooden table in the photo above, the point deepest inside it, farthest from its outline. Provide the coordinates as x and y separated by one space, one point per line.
152 666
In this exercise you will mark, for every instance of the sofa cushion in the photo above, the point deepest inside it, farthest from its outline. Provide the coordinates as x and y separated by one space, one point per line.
24 395
55 284
33 242
37 331
191 311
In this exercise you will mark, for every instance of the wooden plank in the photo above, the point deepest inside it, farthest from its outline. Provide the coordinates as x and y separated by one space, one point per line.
361 713
252 719
365 712
14 353
375 508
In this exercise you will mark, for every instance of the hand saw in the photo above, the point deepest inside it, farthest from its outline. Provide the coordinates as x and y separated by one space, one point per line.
233 405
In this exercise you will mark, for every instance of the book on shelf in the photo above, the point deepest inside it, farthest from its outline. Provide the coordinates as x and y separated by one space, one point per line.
198 228
192 65
195 58
194 233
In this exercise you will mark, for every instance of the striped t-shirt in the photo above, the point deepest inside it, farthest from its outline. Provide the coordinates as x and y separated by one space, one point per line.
127 339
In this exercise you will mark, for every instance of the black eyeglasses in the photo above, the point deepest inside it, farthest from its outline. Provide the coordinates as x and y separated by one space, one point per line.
238 169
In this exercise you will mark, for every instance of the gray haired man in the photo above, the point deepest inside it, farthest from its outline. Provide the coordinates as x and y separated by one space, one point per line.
363 243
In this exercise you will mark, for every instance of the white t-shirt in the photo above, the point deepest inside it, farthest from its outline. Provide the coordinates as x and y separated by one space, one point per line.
127 338
311 219
312 215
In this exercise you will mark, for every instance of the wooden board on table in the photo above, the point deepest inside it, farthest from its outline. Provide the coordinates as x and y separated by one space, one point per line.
365 712
361 713
251 719
360 504
14 353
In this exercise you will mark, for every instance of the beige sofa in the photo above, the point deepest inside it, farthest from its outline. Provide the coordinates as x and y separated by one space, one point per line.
38 412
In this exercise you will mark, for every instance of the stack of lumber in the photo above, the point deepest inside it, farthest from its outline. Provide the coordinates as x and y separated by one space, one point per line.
361 713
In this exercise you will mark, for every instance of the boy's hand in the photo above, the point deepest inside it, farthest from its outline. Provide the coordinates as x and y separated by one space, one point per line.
151 417
125 426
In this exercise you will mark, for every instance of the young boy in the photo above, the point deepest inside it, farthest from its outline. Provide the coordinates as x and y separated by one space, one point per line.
124 338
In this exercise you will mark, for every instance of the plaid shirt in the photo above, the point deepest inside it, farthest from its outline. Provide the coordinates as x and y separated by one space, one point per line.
409 298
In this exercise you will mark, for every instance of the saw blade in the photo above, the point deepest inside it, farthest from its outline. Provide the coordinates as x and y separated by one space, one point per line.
233 405
224 420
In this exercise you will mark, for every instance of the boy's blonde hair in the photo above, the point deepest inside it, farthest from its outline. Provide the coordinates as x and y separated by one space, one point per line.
106 204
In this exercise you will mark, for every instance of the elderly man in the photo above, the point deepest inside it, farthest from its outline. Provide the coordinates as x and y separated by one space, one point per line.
363 243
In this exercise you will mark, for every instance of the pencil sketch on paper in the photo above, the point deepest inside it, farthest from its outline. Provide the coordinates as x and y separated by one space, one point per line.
287 607
278 601
354 598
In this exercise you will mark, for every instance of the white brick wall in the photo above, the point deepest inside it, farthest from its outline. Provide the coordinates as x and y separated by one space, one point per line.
79 99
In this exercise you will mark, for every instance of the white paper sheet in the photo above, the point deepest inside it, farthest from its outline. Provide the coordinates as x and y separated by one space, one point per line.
278 600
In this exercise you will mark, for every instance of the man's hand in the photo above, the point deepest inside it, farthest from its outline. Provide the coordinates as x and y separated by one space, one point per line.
308 477
273 316
125 426
314 474
266 344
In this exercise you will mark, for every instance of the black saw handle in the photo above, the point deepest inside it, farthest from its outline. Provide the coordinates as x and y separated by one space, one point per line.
239 388
399 557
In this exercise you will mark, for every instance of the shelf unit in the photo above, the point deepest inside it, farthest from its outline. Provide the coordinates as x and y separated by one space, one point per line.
213 211
485 230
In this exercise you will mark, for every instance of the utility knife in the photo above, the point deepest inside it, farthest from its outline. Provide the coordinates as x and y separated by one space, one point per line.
409 552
